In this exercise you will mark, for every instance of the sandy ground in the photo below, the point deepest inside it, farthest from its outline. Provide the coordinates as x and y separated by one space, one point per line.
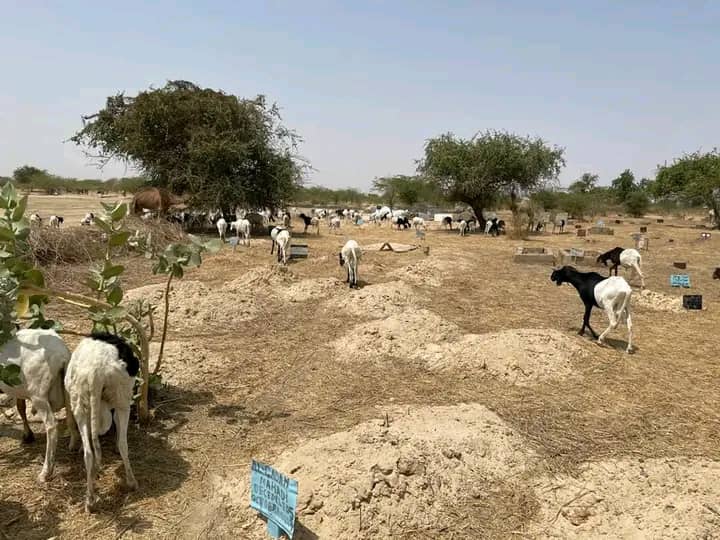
449 397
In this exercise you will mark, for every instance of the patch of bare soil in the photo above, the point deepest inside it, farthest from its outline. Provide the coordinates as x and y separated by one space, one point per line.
376 301
520 356
653 498
424 272
186 362
381 479
310 289
659 301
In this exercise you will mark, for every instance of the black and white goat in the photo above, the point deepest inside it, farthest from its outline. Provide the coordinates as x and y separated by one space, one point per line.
350 255
89 219
628 258
611 294
100 377
401 221
447 222
42 356
313 221
55 221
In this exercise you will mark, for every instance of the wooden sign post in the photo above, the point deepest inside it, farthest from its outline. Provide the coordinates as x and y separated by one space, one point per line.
274 495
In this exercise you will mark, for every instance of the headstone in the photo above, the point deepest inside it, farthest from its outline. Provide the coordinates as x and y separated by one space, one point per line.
298 251
575 253
578 226
680 280
582 232
643 229
660 220
600 223
716 273
692 301
704 236
680 265
274 495
618 221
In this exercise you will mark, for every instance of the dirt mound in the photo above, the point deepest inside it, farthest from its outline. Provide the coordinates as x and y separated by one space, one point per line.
400 335
653 498
193 304
263 276
310 289
520 355
185 362
377 481
658 301
424 272
376 301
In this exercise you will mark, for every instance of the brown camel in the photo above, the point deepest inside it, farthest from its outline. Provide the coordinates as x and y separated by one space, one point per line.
155 199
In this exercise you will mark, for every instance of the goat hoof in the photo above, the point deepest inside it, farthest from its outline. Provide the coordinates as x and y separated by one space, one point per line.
132 485
90 503
28 437
43 477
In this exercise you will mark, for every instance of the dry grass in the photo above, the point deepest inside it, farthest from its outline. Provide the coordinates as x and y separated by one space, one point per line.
273 382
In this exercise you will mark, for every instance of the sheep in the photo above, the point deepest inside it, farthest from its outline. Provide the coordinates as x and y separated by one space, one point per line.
42 357
101 377
55 221
629 258
221 225
611 294
463 227
335 223
89 219
283 243
35 219
241 227
350 255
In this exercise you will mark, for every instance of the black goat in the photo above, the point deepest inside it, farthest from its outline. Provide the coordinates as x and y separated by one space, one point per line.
447 221
613 256
402 222
585 283
611 294
307 220
497 227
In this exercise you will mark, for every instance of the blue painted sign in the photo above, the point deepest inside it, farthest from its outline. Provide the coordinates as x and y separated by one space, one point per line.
680 280
274 495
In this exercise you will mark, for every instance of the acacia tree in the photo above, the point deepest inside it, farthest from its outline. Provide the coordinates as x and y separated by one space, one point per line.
585 184
624 185
694 177
492 163
218 149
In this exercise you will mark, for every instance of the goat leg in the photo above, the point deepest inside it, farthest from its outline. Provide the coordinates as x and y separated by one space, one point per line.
28 435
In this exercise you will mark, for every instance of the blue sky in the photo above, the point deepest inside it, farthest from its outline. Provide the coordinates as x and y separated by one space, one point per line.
618 84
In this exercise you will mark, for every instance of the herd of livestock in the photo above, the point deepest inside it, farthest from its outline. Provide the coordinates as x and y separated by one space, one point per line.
95 383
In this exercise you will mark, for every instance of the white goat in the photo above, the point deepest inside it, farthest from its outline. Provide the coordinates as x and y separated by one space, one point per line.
283 243
42 356
241 227
273 237
55 221
221 225
35 219
350 255
418 222
463 227
335 223
89 219
100 377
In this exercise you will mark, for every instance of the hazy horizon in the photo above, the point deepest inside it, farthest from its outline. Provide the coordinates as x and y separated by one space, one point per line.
625 86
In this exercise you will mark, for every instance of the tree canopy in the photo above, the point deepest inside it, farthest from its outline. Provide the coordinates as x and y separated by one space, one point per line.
219 149
492 163
694 177
585 184
624 185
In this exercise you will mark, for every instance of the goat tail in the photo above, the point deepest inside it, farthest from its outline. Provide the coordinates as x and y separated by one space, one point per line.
95 411
625 308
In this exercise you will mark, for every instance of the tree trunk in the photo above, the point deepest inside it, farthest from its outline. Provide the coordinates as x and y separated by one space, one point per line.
477 207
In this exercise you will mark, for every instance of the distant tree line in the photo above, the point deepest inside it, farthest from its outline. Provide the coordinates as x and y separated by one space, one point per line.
28 177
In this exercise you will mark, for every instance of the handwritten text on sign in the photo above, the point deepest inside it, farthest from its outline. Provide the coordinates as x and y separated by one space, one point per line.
274 495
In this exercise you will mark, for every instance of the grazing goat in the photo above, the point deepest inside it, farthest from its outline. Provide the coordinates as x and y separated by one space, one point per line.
335 223
401 221
350 257
313 221
89 219
447 222
629 258
100 377
35 219
221 225
611 294
283 243
273 237
241 227
463 227
418 222
42 356
55 221
497 226
286 220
